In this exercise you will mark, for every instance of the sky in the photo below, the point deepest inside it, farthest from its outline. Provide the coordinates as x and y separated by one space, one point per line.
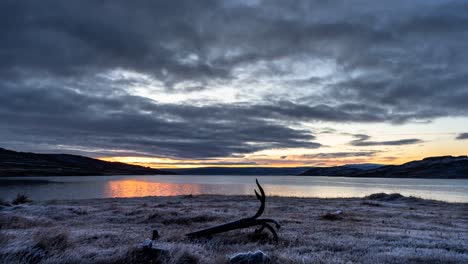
237 82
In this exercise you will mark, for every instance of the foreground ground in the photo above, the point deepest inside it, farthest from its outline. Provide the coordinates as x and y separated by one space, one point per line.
384 229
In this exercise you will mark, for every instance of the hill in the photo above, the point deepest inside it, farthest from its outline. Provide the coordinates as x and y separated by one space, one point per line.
14 163
432 167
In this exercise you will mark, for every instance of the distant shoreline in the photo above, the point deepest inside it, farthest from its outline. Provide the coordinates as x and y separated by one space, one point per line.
2 177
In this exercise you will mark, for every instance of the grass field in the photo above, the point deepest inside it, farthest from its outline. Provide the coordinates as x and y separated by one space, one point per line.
376 229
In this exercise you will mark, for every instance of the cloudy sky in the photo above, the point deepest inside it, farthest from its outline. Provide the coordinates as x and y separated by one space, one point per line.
271 83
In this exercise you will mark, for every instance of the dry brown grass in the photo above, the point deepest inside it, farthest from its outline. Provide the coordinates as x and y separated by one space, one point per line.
377 229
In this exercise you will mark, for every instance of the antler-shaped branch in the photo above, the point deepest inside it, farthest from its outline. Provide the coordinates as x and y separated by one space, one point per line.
261 198
245 222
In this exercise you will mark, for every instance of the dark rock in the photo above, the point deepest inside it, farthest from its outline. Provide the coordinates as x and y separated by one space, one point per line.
147 244
257 257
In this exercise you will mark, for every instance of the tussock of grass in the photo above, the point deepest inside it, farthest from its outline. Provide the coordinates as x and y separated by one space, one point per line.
381 228
186 257
79 211
51 239
17 221
331 217
138 255
21 199
393 197
385 197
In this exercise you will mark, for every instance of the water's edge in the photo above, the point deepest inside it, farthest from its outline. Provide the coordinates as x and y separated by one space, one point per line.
89 187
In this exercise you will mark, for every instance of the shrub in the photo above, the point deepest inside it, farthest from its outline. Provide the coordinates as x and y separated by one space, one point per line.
385 197
21 199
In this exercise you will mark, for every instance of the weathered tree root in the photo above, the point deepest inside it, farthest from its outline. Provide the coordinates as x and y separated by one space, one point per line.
244 222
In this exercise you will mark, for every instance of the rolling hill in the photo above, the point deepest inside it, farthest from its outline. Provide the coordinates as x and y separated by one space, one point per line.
14 163
432 167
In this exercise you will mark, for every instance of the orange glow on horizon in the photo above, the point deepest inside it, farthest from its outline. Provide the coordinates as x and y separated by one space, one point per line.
334 149
158 163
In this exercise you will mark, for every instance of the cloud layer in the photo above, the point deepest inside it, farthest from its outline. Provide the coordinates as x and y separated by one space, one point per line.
462 136
363 141
69 72
339 155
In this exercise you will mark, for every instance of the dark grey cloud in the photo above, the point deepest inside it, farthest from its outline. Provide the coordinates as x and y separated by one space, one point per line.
363 141
51 116
160 38
462 136
338 155
70 39
394 62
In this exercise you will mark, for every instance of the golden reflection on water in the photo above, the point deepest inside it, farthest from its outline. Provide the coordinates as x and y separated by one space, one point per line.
322 189
139 188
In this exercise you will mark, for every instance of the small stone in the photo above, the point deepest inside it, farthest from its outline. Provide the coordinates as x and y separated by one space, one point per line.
257 257
147 244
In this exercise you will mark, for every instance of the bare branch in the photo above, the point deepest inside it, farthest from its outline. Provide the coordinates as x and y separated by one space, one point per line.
244 222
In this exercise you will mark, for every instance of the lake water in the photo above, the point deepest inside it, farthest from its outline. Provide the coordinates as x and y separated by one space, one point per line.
49 188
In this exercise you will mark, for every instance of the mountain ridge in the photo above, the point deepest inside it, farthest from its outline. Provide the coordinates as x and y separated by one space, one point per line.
13 163
273 171
450 167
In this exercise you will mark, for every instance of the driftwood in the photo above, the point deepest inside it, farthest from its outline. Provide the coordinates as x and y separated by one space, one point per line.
262 223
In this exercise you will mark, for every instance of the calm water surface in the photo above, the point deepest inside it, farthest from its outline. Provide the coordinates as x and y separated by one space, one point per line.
48 188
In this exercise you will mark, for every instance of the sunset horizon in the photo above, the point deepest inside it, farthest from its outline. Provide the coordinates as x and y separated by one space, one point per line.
233 131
